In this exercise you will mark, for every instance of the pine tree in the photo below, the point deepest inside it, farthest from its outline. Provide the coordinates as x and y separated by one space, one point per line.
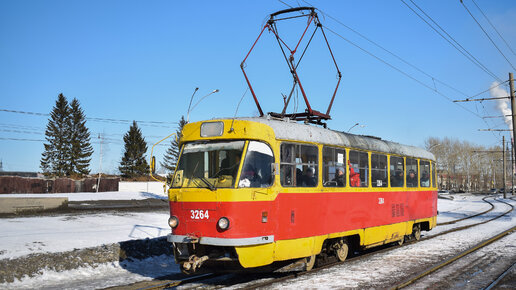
172 153
56 156
81 149
133 162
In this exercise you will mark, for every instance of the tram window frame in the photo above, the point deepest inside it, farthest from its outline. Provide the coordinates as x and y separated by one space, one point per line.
257 171
333 159
378 168
411 165
434 175
395 163
296 160
423 164
359 161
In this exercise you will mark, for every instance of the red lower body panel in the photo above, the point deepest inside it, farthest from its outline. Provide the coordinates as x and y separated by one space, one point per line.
298 215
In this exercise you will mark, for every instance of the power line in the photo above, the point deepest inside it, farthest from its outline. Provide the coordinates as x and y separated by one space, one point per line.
399 70
499 34
462 50
485 32
108 120
386 50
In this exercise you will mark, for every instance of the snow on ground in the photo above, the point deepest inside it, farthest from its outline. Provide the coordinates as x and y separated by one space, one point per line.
101 276
85 196
21 236
27 235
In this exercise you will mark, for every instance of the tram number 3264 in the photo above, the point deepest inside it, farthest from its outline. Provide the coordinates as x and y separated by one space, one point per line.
199 214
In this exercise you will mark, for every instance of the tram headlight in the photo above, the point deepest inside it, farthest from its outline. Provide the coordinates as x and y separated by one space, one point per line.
223 223
173 222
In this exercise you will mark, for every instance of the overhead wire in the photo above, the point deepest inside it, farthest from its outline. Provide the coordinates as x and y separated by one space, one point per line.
109 120
462 50
494 27
398 69
390 52
489 37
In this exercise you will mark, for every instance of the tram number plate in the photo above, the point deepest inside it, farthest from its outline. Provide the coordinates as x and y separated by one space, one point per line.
199 214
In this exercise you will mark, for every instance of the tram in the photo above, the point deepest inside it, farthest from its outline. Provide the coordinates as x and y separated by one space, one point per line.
249 192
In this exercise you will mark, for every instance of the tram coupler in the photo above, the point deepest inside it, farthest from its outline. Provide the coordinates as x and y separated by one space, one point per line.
193 264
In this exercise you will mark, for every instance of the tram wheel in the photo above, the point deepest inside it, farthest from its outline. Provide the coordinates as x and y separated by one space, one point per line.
342 250
309 263
400 242
416 232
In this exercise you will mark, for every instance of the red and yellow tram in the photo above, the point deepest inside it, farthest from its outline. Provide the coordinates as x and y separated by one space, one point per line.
253 191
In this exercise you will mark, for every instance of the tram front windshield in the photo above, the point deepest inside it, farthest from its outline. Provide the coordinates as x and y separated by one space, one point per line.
209 164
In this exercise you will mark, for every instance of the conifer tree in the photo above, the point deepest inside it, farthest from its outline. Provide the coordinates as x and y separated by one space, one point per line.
133 162
81 149
56 156
172 153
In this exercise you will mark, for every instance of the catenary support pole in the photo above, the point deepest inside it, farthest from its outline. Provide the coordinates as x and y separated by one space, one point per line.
513 108
503 164
512 166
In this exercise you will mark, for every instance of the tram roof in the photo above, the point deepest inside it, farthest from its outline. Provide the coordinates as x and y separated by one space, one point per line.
290 130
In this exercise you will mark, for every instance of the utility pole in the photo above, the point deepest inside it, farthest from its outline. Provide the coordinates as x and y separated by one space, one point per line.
512 168
503 164
513 108
100 162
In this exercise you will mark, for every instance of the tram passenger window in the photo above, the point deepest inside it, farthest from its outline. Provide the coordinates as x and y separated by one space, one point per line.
379 170
358 169
397 171
434 176
298 165
425 173
411 172
257 169
334 168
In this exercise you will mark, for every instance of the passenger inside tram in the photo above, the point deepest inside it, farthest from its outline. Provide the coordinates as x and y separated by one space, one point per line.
411 179
339 176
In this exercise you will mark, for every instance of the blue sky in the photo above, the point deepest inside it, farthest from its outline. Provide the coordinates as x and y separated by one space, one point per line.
141 60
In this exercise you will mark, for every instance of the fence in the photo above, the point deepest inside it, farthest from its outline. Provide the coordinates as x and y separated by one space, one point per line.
15 184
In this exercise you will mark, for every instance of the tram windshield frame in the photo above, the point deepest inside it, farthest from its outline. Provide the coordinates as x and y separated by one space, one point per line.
216 164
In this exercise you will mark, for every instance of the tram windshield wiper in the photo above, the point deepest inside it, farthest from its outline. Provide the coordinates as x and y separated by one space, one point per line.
209 184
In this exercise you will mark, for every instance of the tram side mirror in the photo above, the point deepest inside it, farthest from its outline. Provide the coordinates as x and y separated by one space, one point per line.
275 168
153 164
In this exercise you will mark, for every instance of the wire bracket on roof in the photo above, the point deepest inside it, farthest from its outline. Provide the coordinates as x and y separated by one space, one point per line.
309 115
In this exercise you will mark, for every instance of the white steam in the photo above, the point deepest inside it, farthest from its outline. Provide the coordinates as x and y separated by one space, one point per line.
502 104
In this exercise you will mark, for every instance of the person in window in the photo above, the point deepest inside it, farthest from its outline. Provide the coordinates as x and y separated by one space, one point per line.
339 176
425 180
354 177
226 168
397 179
308 179
249 177
411 179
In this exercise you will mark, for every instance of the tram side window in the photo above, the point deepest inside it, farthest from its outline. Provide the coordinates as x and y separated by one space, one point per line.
358 169
334 168
411 172
257 169
434 176
397 172
298 165
425 173
379 170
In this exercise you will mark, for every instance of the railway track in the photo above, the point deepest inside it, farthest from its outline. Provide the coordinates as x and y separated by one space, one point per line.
246 282
455 258
471 216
